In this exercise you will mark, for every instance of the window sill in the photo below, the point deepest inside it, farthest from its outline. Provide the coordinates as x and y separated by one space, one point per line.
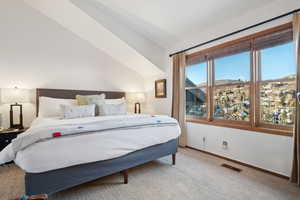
242 127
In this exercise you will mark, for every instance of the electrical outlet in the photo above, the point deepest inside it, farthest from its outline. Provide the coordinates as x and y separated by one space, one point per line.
225 144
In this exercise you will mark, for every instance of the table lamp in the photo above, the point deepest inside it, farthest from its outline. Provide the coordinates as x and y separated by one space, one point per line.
1 128
15 96
137 98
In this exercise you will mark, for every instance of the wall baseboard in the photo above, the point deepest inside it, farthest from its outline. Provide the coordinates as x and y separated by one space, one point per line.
241 163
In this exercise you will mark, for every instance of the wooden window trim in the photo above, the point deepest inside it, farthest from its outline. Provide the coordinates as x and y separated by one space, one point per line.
211 79
259 82
249 37
214 86
253 70
254 123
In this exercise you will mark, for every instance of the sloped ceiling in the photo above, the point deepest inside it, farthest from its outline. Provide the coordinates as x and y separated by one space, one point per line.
140 33
168 22
119 26
74 19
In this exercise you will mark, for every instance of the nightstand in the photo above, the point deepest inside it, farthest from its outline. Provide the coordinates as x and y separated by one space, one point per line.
6 136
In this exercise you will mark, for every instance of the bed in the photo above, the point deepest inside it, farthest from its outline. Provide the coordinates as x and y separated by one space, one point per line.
54 180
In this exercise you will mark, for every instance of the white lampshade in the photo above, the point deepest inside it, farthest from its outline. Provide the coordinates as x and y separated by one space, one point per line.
14 95
135 97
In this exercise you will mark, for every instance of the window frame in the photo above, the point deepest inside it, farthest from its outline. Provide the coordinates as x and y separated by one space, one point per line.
254 123
258 110
214 86
192 117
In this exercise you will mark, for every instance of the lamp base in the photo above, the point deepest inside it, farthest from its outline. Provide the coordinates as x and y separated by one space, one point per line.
11 112
137 108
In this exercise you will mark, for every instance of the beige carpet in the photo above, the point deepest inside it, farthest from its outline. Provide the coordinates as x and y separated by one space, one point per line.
196 176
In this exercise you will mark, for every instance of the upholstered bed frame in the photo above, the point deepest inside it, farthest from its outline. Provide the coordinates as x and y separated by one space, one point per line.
71 94
57 180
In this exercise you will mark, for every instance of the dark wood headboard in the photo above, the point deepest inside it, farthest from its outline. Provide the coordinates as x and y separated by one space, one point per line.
71 94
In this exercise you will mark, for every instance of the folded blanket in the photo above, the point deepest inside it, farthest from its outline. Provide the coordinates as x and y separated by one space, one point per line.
73 127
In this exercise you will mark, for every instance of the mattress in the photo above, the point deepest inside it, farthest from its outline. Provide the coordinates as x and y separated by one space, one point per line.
98 146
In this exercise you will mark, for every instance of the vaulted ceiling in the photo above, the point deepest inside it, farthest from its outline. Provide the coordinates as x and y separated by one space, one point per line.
169 21
74 19
140 33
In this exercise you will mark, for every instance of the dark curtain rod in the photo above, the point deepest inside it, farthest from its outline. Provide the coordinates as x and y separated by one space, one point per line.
235 32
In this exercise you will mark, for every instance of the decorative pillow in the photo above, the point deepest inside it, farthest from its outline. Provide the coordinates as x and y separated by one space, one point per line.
72 112
97 102
83 99
50 107
115 101
112 109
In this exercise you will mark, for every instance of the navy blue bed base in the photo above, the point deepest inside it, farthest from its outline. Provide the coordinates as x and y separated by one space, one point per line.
57 180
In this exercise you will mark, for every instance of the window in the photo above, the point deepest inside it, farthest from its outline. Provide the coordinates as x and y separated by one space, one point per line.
231 87
196 90
249 83
278 85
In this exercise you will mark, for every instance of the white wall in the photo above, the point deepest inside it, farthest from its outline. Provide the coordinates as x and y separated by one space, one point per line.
267 151
36 52
159 105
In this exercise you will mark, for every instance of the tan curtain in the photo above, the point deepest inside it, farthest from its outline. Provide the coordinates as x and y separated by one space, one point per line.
295 177
178 100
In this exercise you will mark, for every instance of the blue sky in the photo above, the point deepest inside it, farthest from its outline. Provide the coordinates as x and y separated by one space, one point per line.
276 62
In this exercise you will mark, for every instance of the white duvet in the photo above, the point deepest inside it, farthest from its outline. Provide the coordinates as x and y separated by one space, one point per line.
51 154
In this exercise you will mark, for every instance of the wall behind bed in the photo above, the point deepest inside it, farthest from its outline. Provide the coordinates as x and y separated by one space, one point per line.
36 52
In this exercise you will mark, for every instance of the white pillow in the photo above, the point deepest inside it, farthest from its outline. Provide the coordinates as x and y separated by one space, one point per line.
97 103
115 101
50 107
73 112
112 109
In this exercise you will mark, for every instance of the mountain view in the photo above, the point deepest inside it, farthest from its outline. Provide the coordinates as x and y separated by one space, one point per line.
232 102
231 94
